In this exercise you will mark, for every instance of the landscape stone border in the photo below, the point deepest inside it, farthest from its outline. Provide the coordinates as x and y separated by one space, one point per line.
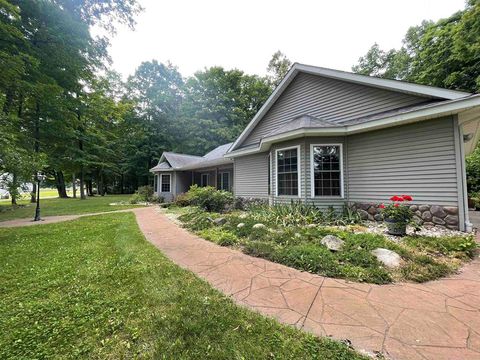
425 215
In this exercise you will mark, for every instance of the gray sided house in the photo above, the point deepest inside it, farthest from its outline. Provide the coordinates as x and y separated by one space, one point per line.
333 138
175 173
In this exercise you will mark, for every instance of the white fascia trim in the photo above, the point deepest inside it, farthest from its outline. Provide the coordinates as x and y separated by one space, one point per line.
299 171
312 173
415 89
434 111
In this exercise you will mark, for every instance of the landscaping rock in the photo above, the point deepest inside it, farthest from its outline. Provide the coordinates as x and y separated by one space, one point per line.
372 210
378 217
427 216
311 225
363 206
438 221
438 211
423 208
241 225
258 226
363 214
451 220
452 210
417 220
332 243
387 257
413 208
220 221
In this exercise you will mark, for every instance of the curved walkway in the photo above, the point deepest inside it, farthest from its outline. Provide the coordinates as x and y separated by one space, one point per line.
436 320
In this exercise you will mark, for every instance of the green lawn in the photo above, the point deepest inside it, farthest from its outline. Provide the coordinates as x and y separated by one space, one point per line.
94 288
68 206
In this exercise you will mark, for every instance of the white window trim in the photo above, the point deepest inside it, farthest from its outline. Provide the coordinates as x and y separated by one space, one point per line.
221 179
201 179
312 174
299 170
169 183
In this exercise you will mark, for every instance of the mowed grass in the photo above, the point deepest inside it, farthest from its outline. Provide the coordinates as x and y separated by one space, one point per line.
68 206
94 288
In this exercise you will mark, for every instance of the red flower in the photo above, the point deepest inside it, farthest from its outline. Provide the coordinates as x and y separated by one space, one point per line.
407 198
396 205
381 206
396 198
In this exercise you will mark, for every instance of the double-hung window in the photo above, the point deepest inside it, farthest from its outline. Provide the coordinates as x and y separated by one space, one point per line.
223 181
165 183
327 170
288 171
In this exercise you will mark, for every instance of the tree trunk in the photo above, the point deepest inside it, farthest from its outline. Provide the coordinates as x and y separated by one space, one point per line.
101 188
33 194
122 181
60 182
90 187
74 185
14 189
82 184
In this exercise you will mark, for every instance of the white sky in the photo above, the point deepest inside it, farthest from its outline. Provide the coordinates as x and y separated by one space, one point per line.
194 34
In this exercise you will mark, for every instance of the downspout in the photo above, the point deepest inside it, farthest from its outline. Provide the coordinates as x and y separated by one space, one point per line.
346 179
463 218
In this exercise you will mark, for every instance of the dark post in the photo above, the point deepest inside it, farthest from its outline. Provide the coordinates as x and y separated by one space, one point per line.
39 178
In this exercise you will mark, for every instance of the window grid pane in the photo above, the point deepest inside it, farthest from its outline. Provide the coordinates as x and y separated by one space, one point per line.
165 183
287 172
327 172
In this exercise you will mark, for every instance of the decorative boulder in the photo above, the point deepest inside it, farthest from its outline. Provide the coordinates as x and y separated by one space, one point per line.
332 243
220 221
258 226
363 214
241 225
311 225
378 217
387 257
427 216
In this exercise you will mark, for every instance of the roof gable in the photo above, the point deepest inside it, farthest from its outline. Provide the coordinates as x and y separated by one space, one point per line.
316 91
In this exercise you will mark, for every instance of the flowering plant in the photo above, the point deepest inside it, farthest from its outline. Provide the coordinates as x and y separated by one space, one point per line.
398 210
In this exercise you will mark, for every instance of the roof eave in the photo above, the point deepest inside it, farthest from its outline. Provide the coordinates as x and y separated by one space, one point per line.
395 85
431 112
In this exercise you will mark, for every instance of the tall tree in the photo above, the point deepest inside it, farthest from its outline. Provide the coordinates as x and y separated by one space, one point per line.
278 67
445 53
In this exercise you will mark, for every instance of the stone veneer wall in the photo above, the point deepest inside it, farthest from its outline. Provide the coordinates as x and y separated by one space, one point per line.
426 215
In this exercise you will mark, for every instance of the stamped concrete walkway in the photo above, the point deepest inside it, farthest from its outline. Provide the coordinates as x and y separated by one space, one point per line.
437 320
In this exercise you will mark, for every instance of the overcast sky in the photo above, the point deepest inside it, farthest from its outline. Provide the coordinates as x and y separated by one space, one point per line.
244 34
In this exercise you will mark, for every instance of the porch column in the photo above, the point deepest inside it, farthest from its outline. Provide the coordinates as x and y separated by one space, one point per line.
216 178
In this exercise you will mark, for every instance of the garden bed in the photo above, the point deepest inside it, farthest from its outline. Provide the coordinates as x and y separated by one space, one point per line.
292 235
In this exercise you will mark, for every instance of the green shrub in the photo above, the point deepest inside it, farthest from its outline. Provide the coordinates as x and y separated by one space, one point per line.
219 236
144 194
197 220
207 198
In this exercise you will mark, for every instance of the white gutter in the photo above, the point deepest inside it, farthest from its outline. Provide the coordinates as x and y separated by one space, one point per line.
426 113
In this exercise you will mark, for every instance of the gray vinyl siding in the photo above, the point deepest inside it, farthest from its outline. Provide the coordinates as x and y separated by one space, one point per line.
417 159
251 176
329 99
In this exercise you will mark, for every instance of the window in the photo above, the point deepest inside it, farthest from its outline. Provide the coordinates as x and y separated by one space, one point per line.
223 181
288 172
204 180
165 183
327 170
